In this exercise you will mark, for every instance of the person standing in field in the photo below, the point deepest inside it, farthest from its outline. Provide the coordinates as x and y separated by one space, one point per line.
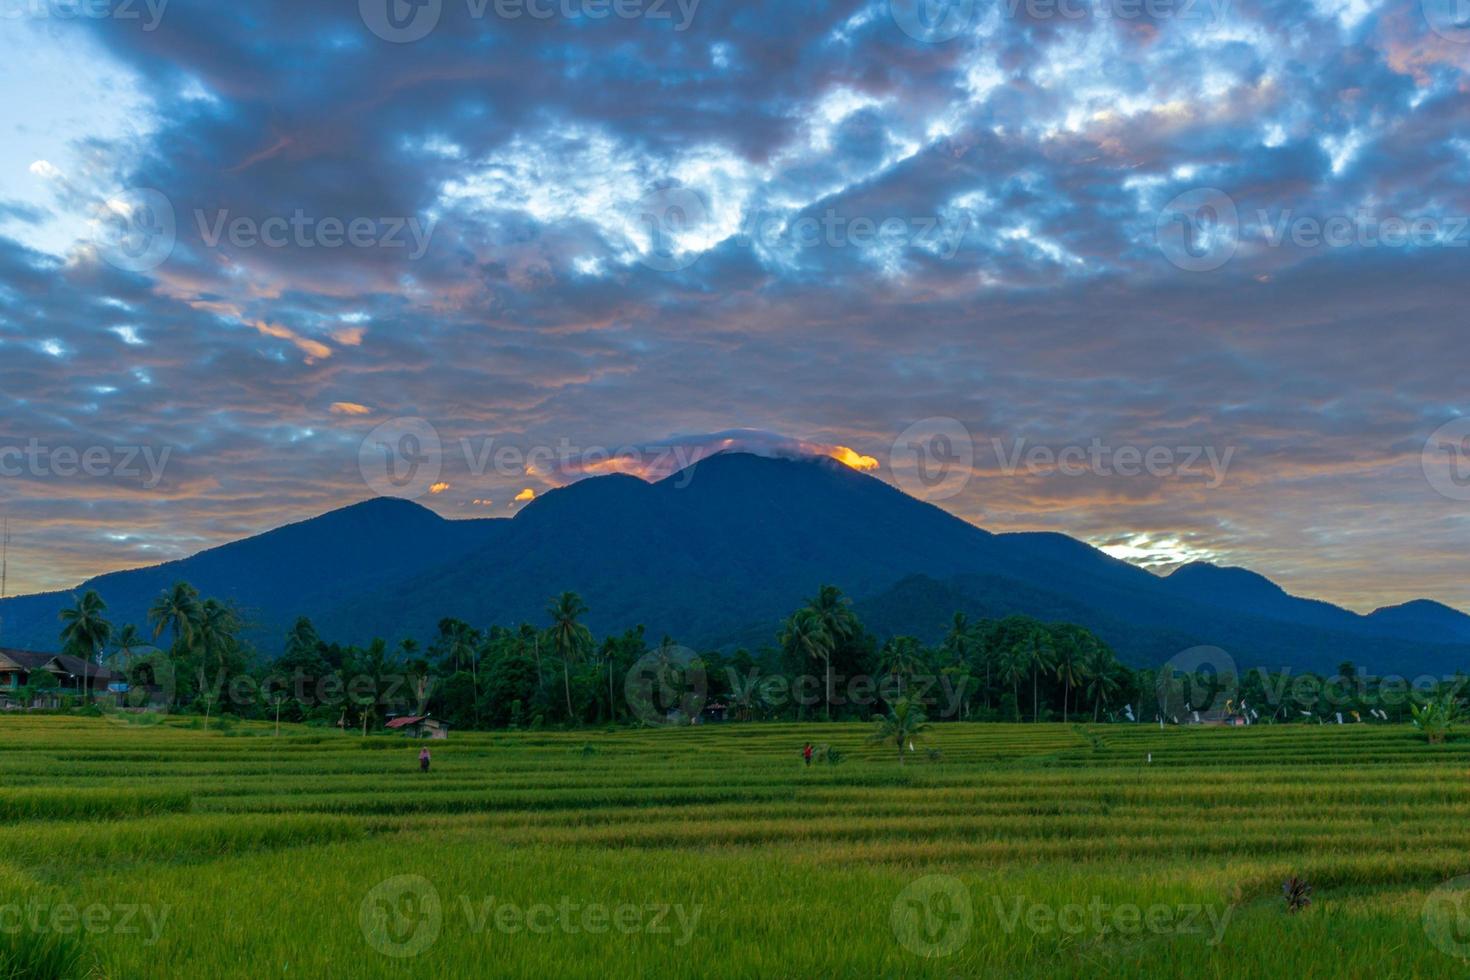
806 753
424 758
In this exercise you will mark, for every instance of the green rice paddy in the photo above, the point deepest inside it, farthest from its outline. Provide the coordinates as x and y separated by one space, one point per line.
1025 851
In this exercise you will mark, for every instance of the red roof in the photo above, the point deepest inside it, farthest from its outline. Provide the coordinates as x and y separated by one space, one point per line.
404 722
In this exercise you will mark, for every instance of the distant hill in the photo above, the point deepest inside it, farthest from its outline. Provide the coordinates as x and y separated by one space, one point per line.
717 555
274 577
1422 617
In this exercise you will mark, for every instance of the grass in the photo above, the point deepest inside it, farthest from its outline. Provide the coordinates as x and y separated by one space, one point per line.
1029 851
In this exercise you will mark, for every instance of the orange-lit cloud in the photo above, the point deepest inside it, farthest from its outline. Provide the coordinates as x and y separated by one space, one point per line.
438 488
852 458
314 350
525 495
350 408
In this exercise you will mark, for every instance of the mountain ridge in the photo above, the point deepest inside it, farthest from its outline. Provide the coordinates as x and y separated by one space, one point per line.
719 553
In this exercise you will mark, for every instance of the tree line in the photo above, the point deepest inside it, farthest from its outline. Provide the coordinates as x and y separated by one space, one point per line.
558 673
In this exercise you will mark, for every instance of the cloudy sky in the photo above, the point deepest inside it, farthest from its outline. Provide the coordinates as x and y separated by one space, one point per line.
1184 278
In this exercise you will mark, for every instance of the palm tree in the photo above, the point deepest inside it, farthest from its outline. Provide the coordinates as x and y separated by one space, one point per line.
1102 677
1039 653
610 656
1012 667
128 640
176 610
1072 647
86 633
904 724
959 640
902 657
215 632
569 638
463 644
986 651
805 635
831 607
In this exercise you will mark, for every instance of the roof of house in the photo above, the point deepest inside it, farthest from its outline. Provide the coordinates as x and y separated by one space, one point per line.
28 660
405 721
24 659
76 665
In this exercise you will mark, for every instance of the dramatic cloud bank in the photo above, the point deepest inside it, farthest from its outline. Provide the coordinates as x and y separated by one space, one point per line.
1184 278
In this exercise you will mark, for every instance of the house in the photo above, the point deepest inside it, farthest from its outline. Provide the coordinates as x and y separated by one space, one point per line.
18 668
416 726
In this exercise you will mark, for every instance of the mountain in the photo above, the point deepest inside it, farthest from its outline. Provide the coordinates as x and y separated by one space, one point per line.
716 555
274 577
1423 617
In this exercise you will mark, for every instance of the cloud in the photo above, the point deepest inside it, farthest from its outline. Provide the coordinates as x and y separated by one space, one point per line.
787 230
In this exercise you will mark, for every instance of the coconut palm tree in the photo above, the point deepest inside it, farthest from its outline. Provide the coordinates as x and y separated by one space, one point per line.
214 632
85 633
176 610
805 635
833 609
128 639
1011 667
569 638
1102 677
904 724
902 657
1072 645
1039 656
959 640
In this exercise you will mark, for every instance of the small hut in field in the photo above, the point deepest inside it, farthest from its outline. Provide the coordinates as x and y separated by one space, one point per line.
419 726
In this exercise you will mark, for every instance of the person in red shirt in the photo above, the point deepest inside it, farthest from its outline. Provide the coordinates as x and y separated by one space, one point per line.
806 753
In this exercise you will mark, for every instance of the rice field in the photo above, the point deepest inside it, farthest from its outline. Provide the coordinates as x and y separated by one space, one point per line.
1022 851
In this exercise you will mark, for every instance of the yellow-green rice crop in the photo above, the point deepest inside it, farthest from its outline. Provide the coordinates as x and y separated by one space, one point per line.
1023 851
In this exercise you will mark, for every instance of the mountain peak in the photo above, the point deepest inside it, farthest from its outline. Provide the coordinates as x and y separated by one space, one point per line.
1240 582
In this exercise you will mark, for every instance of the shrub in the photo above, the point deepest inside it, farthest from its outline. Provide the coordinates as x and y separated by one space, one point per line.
1435 718
1298 894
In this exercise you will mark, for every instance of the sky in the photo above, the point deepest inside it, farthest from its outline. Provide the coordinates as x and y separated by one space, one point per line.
1182 278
